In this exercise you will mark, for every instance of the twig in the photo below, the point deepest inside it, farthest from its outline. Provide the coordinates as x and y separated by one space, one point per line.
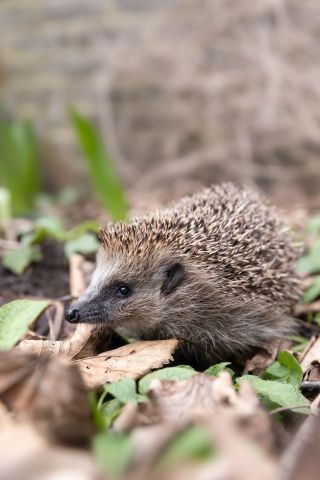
295 453
77 278
65 298
308 308
8 244
55 322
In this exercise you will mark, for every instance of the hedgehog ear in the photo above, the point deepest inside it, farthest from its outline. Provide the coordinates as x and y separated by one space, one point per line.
173 277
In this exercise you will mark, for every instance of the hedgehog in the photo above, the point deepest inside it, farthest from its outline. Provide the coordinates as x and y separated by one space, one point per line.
215 270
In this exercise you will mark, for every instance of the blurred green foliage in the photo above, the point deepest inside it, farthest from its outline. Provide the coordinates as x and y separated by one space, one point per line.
113 452
309 263
80 239
102 172
15 318
19 163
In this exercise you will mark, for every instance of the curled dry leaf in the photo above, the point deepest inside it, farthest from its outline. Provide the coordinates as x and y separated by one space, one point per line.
82 344
47 391
129 361
84 339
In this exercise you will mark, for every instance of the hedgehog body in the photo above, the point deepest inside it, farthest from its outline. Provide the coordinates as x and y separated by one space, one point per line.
215 270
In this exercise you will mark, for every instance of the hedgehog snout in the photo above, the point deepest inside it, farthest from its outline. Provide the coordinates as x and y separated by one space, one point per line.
94 310
72 314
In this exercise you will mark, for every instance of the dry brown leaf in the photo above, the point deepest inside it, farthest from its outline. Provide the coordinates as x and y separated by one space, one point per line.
240 449
301 459
5 416
239 427
129 361
310 354
201 398
55 320
85 337
26 454
47 391
80 345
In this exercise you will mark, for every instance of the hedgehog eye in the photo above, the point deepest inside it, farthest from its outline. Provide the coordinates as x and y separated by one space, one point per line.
123 290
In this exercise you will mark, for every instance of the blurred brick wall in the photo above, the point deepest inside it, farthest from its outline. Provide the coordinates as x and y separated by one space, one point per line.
150 74
55 53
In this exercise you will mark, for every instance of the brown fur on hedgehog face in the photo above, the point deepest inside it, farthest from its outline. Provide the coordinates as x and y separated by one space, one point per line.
215 270
132 294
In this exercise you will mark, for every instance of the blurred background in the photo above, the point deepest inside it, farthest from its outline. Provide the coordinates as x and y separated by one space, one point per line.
167 94
109 108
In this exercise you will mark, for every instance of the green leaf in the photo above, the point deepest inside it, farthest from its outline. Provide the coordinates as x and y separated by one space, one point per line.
112 452
317 318
96 414
169 373
18 260
286 369
15 318
85 244
288 360
276 371
312 292
67 196
87 226
280 394
101 169
219 367
124 391
300 343
47 227
192 443
111 410
188 367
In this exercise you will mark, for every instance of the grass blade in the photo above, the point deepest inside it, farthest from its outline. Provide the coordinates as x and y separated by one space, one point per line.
101 169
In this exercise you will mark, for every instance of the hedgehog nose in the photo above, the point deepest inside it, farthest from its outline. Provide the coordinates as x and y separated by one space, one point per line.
72 314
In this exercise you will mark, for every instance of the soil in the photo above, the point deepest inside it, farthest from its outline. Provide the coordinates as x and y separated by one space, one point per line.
47 279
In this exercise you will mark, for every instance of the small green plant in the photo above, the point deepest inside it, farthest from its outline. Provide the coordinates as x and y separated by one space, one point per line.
81 239
19 164
100 166
279 385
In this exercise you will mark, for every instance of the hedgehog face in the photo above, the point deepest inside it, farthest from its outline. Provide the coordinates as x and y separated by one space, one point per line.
128 293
